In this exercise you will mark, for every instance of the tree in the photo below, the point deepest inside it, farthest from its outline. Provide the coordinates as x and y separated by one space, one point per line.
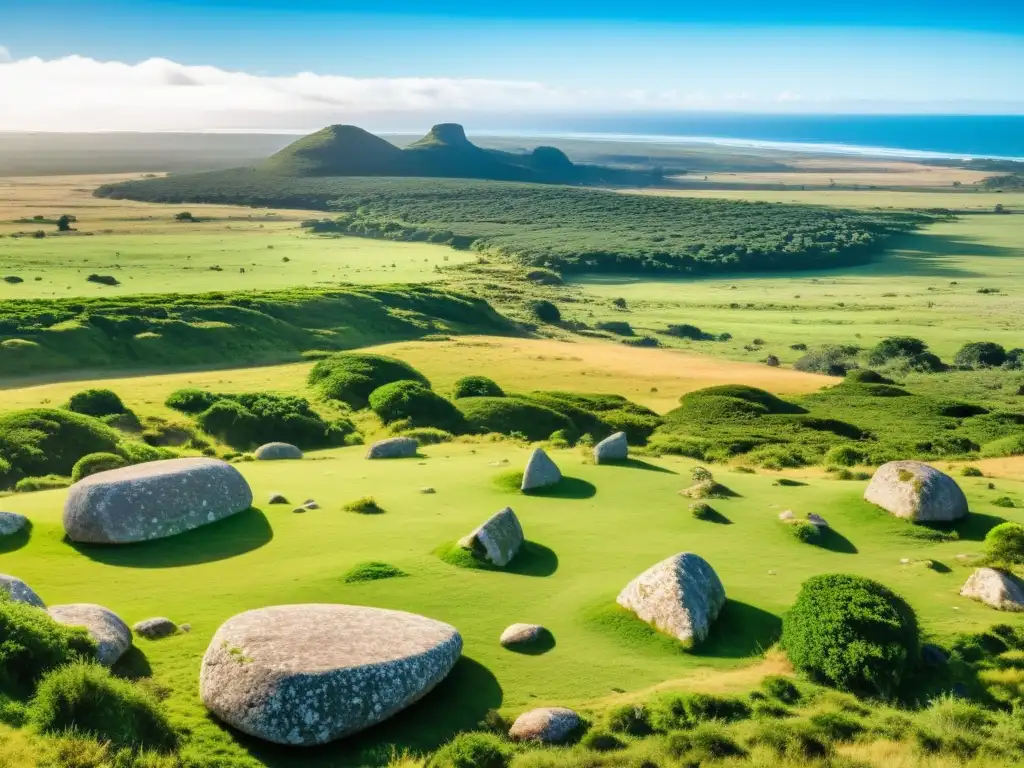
184 216
64 223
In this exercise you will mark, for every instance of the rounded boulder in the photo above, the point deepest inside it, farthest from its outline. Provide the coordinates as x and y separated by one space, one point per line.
11 523
156 628
153 500
19 591
916 491
1001 590
277 452
612 448
112 635
547 725
393 448
309 674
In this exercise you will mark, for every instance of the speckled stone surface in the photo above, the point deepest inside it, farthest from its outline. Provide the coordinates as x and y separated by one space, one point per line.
521 634
11 523
310 674
19 591
680 596
153 500
540 471
105 627
498 539
916 491
995 588
612 448
277 452
155 628
548 725
393 448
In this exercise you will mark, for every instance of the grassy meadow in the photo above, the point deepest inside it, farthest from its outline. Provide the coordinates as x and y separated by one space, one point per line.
592 540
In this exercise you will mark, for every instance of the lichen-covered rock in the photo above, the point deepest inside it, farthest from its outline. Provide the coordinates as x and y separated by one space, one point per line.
277 451
680 596
612 448
112 635
498 539
11 523
547 725
521 634
153 500
540 471
19 591
916 491
310 674
155 628
393 448
996 588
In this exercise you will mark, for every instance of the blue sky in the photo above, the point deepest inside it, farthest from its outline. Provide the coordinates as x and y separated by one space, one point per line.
736 55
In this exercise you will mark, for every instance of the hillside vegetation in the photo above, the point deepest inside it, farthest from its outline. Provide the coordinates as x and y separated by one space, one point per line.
571 229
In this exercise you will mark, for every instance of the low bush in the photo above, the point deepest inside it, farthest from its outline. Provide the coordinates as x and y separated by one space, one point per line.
33 644
86 698
705 743
506 415
905 352
618 327
836 726
681 711
45 441
1004 545
96 462
852 633
350 377
372 571
781 688
701 510
600 740
43 483
980 354
545 311
866 376
804 531
250 419
472 750
686 331
428 435
96 402
971 472
829 360
191 400
797 741
844 455
631 719
413 403
366 505
476 386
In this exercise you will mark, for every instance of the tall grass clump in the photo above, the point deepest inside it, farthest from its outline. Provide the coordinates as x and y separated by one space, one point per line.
33 644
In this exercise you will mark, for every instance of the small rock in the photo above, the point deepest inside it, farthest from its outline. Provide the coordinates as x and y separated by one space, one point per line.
277 452
11 523
787 515
111 634
277 498
427 490
540 472
547 725
904 561
310 504
1000 590
156 628
19 591
185 627
299 510
817 520
521 634
612 448
393 448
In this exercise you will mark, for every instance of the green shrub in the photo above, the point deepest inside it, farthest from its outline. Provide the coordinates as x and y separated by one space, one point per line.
96 462
1004 545
602 741
867 376
768 402
45 441
852 633
631 719
830 360
367 505
545 311
804 531
797 741
687 331
895 346
140 453
844 455
781 688
86 698
701 510
476 386
191 400
372 571
980 354
414 403
836 726
253 418
350 377
506 415
685 710
707 742
472 750
33 644
1004 501
971 472
618 327
44 483
230 421
96 402
428 435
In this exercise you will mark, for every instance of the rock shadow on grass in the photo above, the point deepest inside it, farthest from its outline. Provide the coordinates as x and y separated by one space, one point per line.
545 642
533 559
17 540
133 665
632 463
566 488
458 703
224 539
832 540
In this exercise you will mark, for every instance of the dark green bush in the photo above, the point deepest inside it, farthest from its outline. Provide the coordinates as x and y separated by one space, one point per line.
705 743
830 360
472 750
836 726
781 688
895 346
602 741
980 354
45 441
687 709
804 531
96 402
631 719
428 435
867 376
96 462
350 377
545 311
33 644
769 402
230 421
476 386
852 633
191 400
687 331
140 453
86 698
844 455
250 419
1004 545
512 414
618 327
971 472
413 402
372 571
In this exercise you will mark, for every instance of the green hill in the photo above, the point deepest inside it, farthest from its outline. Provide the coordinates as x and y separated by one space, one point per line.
338 150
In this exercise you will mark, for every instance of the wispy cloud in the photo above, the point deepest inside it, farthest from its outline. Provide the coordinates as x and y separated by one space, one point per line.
5 55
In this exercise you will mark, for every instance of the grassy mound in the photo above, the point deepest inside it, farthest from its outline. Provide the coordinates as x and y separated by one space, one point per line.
372 571
415 404
351 377
96 402
476 386
513 416
96 462
366 505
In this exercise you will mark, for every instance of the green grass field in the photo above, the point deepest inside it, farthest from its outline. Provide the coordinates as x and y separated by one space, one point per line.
592 541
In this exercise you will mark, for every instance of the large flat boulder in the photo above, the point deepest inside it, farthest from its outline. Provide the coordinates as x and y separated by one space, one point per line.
153 500
277 452
916 491
112 636
310 674
19 591
540 472
680 596
995 588
612 448
393 448
498 539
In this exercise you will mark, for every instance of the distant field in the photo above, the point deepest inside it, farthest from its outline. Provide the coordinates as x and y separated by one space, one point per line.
655 378
825 173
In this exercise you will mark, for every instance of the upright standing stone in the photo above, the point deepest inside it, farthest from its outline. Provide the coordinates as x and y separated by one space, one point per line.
153 500
112 635
917 492
393 448
995 588
498 539
612 448
540 472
